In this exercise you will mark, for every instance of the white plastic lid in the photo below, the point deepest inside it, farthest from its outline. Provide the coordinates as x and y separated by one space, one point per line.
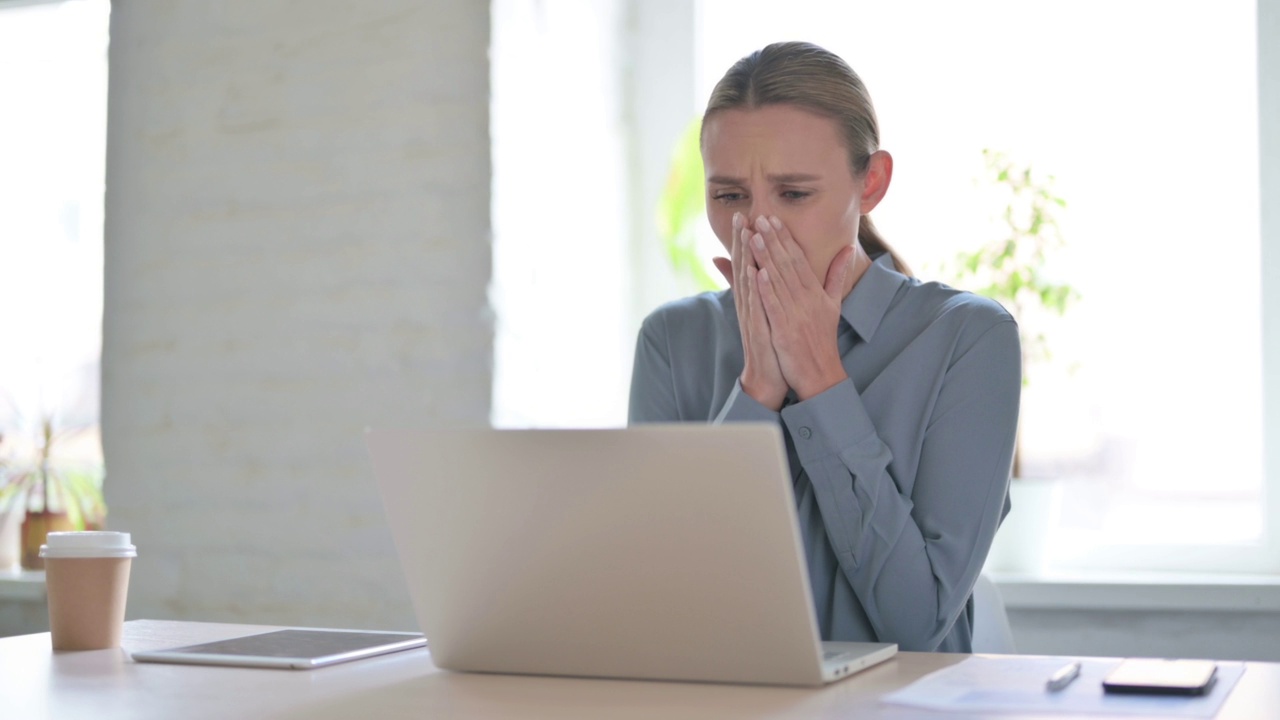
88 544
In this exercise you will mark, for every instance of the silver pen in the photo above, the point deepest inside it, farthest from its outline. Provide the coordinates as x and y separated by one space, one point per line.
1063 677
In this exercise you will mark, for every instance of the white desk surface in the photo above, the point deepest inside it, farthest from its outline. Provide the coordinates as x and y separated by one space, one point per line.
37 683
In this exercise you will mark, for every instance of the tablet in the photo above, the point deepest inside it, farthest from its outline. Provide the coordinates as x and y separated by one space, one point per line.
292 648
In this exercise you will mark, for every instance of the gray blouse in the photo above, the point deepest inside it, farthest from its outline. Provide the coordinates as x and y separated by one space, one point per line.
901 473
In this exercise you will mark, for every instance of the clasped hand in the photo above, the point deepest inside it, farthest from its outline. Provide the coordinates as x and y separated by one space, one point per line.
789 319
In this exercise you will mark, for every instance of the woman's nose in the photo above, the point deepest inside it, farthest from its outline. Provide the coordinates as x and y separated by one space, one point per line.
759 206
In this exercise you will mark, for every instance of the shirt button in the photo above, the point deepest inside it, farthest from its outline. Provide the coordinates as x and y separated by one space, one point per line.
806 433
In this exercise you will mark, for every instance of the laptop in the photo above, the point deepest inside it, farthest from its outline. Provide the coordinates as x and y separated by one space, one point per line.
659 552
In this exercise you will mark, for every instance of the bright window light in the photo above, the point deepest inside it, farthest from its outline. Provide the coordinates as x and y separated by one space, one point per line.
53 88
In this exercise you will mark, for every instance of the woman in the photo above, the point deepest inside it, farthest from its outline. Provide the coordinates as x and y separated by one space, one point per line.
898 399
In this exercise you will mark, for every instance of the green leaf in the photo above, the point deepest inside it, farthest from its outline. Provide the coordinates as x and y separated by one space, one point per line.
1007 252
682 205
683 200
1011 269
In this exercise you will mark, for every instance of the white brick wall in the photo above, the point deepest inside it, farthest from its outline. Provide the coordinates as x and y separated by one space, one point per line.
297 246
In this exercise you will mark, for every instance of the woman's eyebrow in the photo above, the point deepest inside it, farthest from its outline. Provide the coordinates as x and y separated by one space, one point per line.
786 178
780 179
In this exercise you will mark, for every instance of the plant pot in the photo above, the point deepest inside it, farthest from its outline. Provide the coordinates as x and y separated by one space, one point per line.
35 528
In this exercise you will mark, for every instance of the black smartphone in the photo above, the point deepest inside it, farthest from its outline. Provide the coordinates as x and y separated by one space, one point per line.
1161 677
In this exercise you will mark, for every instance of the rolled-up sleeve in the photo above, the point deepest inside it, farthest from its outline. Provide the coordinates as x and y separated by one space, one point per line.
912 558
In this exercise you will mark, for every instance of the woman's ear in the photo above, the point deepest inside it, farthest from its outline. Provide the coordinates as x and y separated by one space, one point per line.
875 183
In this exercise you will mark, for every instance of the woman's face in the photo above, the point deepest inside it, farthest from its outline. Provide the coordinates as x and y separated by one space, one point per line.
780 160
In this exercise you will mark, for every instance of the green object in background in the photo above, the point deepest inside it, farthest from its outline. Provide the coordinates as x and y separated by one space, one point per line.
1009 269
682 206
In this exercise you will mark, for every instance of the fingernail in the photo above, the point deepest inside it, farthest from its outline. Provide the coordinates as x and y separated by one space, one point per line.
764 275
761 223
737 221
759 241
777 224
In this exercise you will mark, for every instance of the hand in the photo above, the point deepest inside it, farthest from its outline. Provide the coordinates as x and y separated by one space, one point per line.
761 374
803 314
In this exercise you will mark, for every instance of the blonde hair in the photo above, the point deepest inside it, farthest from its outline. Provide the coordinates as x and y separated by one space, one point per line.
807 76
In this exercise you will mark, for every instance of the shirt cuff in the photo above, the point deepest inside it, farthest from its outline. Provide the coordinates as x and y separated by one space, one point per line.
741 407
828 423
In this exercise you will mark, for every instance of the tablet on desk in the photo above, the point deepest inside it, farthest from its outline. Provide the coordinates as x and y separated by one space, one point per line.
293 648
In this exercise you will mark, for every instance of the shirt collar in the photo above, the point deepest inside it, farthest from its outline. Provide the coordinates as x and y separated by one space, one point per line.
865 306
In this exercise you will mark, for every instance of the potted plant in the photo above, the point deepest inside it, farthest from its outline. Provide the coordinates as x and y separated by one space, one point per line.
43 481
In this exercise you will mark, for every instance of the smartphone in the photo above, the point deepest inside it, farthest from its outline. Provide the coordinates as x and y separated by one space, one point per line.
1161 677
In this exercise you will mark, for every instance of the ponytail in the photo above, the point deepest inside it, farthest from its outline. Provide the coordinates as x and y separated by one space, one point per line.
873 244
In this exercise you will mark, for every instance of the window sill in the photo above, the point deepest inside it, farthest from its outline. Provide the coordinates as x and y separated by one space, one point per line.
22 585
1170 592
1131 591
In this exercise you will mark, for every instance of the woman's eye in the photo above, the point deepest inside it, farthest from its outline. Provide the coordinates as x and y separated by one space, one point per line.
795 194
728 197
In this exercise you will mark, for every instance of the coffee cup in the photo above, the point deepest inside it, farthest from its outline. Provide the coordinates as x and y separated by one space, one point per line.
87 580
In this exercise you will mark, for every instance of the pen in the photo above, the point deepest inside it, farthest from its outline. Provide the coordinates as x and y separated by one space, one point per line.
1063 677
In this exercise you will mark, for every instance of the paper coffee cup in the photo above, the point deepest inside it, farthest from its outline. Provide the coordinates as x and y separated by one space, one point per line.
87 579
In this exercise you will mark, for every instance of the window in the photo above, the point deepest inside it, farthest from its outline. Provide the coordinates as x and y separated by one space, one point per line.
560 215
53 87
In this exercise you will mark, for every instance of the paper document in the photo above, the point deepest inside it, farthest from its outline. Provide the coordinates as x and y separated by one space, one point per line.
1003 684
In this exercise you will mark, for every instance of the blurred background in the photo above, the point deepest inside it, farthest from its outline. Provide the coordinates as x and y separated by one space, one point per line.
234 235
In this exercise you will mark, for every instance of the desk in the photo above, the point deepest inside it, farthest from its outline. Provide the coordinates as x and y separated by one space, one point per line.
37 683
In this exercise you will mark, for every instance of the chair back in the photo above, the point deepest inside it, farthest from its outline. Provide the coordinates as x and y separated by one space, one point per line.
991 631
